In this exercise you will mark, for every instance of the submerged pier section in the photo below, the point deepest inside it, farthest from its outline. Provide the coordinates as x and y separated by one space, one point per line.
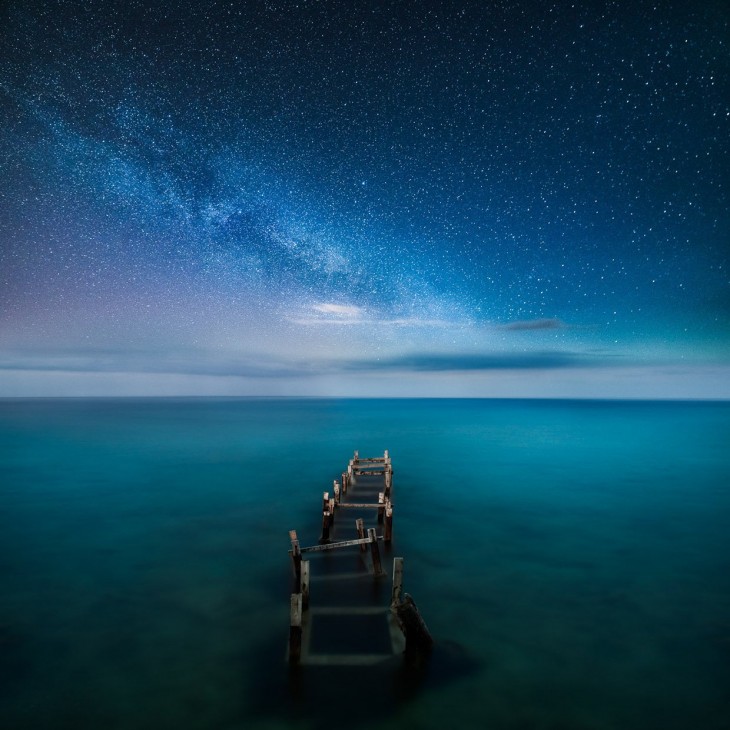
341 612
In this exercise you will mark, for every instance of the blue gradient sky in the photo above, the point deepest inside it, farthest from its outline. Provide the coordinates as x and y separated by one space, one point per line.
325 198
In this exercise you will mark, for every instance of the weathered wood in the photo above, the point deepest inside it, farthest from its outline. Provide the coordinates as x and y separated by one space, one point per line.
296 559
345 480
326 500
305 585
388 533
335 545
381 508
358 505
332 511
325 537
359 526
418 637
295 628
337 493
375 553
397 582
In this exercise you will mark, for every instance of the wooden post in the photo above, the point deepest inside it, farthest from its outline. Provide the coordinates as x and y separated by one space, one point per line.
386 456
296 559
332 511
305 585
375 552
344 482
337 492
356 458
361 533
349 469
295 628
397 582
381 509
325 526
388 533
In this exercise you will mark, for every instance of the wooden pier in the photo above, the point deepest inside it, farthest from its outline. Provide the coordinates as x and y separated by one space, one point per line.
341 613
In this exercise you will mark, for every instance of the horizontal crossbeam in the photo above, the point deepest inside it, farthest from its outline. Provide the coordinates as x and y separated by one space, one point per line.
335 545
357 505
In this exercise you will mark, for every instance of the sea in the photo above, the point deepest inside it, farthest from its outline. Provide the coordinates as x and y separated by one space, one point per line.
570 558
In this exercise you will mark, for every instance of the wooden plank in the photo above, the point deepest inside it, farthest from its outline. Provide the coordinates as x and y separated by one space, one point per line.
358 505
335 545
381 507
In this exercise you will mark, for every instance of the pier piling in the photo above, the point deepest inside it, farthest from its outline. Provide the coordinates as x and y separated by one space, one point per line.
375 553
388 531
295 628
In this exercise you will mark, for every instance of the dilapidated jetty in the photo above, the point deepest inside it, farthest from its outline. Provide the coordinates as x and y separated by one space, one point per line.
340 614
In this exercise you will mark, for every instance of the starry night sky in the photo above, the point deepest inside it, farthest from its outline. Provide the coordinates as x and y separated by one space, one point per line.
361 198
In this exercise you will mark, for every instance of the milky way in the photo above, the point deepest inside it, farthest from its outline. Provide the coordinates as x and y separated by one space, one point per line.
325 197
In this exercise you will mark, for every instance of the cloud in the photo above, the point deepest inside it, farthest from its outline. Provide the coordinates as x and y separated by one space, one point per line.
339 310
229 364
400 322
328 313
535 324
185 363
429 362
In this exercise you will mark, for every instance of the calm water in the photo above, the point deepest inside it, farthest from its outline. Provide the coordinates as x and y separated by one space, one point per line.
572 560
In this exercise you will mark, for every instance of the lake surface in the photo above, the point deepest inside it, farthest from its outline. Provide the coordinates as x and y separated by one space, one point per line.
571 559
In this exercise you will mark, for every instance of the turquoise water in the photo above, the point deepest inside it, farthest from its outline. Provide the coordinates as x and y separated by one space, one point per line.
572 560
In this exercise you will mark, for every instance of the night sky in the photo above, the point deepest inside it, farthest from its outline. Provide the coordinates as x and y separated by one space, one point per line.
360 198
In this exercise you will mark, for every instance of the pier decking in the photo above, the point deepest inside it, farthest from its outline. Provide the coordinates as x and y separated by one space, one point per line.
344 611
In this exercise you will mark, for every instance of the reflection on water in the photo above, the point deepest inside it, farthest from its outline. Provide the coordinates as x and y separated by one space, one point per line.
570 558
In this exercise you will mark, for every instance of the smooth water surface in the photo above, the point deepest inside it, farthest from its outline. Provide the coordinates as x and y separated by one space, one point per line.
572 560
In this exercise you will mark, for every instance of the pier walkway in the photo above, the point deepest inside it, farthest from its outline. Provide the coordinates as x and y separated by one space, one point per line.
344 609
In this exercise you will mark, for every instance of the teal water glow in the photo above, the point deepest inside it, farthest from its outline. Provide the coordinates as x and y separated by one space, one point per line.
570 558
